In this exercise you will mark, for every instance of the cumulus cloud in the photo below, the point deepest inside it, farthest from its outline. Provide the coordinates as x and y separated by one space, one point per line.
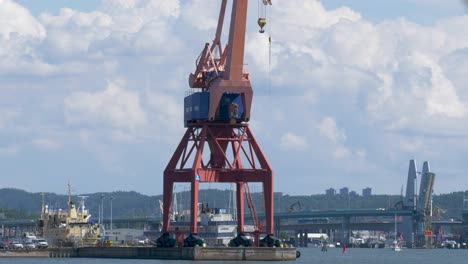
291 141
49 144
377 79
11 150
16 20
167 107
71 33
341 152
114 106
330 131
390 71
20 34
6 116
412 145
207 21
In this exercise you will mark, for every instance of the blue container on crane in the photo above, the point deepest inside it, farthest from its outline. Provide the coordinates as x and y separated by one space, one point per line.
196 108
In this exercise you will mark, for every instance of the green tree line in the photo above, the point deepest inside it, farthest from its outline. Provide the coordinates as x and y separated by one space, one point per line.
19 204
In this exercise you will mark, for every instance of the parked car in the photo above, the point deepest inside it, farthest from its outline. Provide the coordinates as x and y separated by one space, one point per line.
41 243
16 245
30 245
4 245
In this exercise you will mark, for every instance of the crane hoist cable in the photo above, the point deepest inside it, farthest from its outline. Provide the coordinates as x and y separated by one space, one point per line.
263 16
262 13
269 57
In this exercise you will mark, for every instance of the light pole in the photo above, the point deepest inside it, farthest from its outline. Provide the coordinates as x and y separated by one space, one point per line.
101 213
111 198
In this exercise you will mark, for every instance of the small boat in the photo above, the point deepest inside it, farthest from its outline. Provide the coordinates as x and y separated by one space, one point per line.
396 247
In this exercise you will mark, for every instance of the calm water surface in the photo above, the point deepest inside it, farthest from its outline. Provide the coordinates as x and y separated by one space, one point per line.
309 255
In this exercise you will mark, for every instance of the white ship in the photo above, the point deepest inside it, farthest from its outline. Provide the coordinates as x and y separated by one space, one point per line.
72 227
215 225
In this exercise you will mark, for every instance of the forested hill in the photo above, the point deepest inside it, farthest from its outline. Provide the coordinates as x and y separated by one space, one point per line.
19 204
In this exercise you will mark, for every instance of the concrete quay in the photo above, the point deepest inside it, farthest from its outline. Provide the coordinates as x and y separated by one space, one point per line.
24 254
195 253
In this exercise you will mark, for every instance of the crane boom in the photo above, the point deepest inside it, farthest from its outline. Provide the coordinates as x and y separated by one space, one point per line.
236 44
219 28
226 93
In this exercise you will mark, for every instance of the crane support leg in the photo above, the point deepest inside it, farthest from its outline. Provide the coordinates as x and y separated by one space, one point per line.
240 207
167 203
194 207
268 198
232 155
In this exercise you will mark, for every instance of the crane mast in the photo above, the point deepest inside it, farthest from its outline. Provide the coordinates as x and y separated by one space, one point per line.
235 56
222 80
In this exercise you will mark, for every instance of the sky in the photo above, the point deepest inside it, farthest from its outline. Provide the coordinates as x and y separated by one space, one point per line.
91 92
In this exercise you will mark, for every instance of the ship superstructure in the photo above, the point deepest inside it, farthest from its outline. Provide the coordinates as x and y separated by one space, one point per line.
217 226
71 227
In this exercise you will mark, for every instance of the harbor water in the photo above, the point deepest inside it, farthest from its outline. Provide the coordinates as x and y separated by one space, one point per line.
308 255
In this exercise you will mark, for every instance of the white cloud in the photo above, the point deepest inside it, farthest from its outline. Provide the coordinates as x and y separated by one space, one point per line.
383 70
49 144
387 83
20 33
71 33
198 16
16 20
11 150
329 130
167 108
341 152
443 98
361 153
131 15
291 141
412 145
114 106
6 116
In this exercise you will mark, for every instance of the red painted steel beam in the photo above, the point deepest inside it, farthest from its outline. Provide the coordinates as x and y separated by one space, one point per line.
218 138
240 206
194 207
167 201
268 197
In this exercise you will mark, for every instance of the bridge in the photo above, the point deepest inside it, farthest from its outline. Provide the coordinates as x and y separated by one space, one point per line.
345 224
342 213
412 210
341 221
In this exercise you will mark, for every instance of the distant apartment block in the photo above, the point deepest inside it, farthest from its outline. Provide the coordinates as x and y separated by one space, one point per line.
344 191
330 192
367 192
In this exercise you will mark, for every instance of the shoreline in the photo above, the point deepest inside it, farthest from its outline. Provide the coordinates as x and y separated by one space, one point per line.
24 253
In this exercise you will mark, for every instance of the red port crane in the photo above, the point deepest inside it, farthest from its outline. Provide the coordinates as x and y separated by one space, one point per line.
218 145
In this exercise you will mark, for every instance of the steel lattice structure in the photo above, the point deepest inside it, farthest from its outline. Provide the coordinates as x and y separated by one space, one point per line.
224 153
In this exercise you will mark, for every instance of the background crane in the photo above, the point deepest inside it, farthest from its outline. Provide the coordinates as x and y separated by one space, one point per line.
294 207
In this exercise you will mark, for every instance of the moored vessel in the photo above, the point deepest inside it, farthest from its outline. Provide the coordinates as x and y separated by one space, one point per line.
71 227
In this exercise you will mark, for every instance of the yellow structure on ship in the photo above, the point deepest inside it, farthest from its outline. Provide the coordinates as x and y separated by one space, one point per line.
73 227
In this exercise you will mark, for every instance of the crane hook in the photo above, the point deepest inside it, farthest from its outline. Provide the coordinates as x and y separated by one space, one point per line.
262 22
